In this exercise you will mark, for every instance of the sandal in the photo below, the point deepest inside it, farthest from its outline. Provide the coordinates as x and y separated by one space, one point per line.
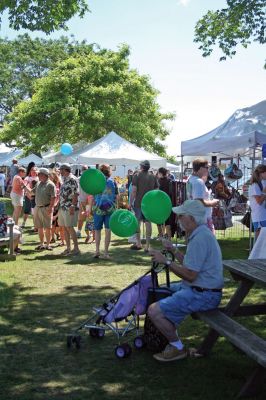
40 247
66 252
135 247
48 248
97 255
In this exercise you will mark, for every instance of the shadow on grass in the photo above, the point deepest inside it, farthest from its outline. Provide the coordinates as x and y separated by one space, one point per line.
35 363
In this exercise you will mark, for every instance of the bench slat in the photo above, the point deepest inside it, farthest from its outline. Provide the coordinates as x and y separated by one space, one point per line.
241 337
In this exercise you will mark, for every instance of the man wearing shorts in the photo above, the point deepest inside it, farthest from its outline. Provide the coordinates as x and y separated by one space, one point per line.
202 278
142 183
68 209
45 195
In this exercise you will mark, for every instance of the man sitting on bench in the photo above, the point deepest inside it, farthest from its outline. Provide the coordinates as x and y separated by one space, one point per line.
202 278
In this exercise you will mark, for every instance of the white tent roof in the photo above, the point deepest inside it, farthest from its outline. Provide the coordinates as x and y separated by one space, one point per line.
111 149
246 128
31 157
6 157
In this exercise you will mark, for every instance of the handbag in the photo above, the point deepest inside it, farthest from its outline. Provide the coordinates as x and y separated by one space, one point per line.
246 220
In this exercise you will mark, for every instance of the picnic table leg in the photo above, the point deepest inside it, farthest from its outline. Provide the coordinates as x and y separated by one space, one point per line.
253 383
233 305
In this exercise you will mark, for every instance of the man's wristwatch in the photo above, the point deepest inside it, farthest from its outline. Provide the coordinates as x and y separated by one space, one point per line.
168 263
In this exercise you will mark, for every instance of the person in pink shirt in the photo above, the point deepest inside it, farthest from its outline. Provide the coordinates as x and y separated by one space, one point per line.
17 193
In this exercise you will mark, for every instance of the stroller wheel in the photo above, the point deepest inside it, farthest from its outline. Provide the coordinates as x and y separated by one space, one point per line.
77 340
128 349
139 342
100 333
120 351
93 332
69 341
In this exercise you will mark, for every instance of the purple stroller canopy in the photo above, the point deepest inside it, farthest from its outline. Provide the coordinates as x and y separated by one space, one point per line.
135 296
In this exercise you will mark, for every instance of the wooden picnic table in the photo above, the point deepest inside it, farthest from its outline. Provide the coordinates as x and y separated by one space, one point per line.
246 273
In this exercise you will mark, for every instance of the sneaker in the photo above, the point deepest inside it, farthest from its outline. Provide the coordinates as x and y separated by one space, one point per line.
171 353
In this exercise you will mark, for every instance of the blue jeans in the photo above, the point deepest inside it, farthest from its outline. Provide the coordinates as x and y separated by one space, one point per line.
186 300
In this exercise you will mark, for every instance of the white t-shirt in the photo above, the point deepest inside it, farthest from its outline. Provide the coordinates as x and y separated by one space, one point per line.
258 211
196 189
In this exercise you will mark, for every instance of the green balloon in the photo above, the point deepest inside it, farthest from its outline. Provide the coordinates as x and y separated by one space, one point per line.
156 206
123 223
92 181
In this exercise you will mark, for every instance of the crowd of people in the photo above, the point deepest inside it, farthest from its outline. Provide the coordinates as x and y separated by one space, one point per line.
61 210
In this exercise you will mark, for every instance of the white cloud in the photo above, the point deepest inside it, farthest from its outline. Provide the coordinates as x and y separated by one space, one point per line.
184 2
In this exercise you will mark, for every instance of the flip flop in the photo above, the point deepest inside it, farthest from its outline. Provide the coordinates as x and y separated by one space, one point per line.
96 256
40 247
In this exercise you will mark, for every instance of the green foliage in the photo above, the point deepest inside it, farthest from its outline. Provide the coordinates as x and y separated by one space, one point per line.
83 98
46 16
23 60
241 22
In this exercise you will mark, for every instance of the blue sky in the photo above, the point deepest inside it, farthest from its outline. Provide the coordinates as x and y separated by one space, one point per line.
203 92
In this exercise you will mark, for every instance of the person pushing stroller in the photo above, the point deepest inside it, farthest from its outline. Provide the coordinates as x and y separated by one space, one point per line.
202 278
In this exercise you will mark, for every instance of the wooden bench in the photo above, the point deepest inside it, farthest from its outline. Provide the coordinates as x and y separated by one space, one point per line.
8 241
239 336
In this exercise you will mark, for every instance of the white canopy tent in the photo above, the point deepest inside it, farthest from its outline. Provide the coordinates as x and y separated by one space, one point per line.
31 157
244 130
7 154
111 149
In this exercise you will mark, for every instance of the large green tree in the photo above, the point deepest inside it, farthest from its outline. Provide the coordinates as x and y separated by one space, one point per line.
85 97
23 60
242 22
42 15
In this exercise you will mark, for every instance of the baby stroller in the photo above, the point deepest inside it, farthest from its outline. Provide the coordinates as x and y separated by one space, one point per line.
121 314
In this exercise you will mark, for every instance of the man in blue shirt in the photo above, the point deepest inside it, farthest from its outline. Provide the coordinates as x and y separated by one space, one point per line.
202 278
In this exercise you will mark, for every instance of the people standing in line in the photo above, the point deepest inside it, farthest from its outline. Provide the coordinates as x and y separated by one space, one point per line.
103 206
165 185
17 193
142 183
45 196
2 183
197 190
68 209
30 181
257 198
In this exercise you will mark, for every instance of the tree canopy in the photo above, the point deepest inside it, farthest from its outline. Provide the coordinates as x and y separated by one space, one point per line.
46 16
242 22
23 60
83 98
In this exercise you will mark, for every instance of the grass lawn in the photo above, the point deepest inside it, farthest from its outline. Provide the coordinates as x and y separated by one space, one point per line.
43 296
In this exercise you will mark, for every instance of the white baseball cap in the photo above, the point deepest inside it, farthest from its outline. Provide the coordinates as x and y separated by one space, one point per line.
195 208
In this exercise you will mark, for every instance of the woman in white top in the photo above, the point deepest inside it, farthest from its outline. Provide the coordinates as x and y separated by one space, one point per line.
257 197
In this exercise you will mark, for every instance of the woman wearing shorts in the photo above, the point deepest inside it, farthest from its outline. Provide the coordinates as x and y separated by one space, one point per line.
17 193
